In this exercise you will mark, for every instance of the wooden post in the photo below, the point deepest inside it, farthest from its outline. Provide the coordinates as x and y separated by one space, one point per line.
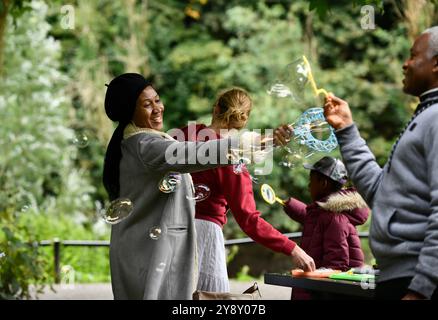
56 257
3 18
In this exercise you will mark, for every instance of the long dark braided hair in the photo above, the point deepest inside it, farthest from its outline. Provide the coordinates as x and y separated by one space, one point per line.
120 102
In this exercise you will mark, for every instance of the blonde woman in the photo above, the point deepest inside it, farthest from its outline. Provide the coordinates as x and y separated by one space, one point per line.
231 191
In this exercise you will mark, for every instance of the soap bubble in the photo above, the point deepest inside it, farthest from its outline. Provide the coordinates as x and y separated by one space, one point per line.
286 163
279 90
297 157
291 156
292 81
255 180
67 277
257 171
118 210
170 182
202 192
240 166
155 233
160 267
81 140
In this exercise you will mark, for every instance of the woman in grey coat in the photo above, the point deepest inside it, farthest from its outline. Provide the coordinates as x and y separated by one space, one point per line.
153 251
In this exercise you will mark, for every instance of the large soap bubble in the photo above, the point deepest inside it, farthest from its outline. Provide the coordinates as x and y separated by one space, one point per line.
293 80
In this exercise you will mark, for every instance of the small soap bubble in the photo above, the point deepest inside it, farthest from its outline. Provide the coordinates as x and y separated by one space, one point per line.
241 165
285 163
81 140
202 192
155 233
160 267
67 277
118 210
170 182
255 180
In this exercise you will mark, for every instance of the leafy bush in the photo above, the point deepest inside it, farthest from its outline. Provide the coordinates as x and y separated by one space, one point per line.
90 264
38 172
21 263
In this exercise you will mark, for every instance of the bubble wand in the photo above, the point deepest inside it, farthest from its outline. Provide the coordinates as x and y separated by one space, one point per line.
268 194
313 120
312 80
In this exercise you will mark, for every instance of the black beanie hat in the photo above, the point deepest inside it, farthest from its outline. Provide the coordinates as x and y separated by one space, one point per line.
120 102
121 96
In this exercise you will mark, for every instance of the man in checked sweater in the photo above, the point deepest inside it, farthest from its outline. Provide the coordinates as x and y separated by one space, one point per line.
403 194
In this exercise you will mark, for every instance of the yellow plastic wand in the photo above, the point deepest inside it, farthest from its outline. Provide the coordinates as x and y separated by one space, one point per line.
282 202
312 80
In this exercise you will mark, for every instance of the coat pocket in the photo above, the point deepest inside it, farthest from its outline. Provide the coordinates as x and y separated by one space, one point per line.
177 229
380 226
390 223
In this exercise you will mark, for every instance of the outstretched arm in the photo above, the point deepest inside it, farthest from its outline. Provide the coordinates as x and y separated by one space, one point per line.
359 160
239 194
162 155
295 209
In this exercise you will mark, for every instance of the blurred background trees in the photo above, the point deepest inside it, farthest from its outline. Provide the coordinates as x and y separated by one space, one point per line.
57 59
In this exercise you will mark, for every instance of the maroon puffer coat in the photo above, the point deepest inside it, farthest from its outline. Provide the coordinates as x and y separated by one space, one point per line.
329 233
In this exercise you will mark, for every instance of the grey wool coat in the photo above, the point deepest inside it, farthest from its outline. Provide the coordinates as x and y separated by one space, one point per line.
404 200
163 266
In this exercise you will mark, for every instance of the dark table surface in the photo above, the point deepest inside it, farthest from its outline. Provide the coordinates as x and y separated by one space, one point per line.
348 289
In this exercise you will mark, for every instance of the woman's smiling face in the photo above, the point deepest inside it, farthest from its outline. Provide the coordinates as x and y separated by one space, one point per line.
149 110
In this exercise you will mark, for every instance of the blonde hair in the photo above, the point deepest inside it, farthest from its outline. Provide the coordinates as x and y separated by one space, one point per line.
234 105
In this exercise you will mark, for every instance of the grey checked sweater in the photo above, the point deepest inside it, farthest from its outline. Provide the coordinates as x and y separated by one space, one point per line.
404 200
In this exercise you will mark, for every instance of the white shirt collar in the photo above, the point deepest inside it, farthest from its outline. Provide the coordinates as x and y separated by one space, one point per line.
429 91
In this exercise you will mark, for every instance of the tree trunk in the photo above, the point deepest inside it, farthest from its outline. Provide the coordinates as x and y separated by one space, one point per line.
3 16
418 16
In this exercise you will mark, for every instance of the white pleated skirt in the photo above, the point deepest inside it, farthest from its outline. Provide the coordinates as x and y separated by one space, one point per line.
212 263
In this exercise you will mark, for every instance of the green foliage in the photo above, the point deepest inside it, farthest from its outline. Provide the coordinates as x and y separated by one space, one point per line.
53 89
37 162
231 253
15 7
374 72
324 7
21 262
89 264
37 165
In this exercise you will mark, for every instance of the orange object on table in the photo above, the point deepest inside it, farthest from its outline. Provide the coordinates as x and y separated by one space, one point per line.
318 273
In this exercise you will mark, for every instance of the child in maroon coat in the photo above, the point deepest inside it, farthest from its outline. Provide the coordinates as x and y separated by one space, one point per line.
329 233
